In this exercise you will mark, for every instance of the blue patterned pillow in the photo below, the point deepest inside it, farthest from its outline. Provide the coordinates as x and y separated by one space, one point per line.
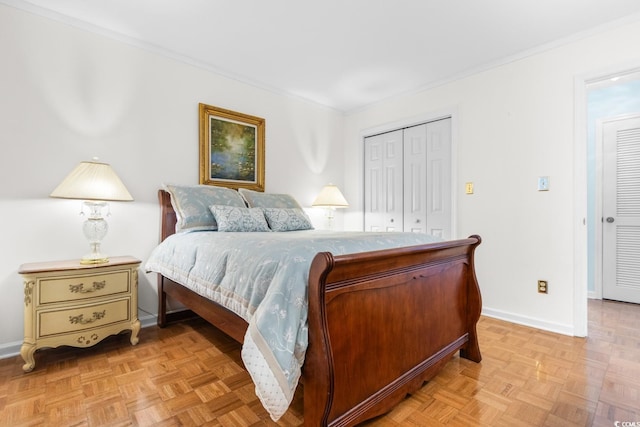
256 199
239 219
287 219
191 203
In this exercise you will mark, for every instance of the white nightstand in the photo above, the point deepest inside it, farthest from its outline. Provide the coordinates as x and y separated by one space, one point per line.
67 303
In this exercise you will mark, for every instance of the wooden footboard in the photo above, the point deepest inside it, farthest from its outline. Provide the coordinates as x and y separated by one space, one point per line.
382 323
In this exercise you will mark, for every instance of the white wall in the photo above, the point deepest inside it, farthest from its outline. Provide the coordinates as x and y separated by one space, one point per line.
67 95
514 123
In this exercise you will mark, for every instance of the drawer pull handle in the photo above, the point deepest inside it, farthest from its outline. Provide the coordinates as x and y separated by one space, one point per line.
82 340
79 288
97 315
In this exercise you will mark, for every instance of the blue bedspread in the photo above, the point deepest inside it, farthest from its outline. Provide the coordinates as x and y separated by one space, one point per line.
263 278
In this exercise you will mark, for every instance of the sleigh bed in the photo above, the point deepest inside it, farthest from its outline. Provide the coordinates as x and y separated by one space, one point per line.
380 323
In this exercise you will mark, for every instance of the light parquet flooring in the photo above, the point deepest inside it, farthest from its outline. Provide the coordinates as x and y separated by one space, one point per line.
190 374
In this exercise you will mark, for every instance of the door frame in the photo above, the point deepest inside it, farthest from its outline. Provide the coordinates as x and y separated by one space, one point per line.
580 212
580 209
598 200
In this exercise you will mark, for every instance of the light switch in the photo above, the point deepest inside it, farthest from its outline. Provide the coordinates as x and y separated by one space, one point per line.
543 183
469 187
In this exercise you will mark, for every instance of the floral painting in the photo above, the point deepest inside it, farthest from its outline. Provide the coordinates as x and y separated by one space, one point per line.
231 149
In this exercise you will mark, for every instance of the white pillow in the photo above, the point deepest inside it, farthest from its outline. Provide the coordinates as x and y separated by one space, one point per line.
287 219
230 218
191 204
256 199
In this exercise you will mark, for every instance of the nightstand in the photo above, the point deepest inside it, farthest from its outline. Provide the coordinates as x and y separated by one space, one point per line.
68 303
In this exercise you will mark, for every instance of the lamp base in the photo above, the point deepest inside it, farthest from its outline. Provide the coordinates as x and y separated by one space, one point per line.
90 260
95 228
330 214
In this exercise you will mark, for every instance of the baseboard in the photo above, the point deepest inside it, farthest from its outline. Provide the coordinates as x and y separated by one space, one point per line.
13 348
148 320
529 321
10 349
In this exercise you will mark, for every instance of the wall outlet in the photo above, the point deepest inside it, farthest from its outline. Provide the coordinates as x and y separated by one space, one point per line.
543 288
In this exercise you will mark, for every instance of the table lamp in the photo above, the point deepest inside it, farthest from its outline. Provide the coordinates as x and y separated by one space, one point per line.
96 183
330 198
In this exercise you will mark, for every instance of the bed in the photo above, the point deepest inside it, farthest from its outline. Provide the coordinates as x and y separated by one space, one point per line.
379 323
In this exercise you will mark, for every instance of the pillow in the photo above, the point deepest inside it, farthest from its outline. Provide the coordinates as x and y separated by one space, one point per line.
231 218
191 203
256 199
287 219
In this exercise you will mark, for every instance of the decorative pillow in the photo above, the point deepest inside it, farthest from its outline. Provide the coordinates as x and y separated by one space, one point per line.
256 199
231 218
287 219
191 203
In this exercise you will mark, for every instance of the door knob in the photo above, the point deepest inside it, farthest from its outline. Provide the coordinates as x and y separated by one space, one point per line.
610 219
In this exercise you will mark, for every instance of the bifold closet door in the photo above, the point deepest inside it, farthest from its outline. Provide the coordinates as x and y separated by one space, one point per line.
439 190
415 178
383 182
427 178
407 182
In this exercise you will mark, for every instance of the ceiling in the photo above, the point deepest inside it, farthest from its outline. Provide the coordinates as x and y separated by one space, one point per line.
341 54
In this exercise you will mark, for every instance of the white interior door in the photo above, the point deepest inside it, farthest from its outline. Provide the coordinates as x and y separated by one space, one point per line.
383 182
439 178
427 178
621 210
415 178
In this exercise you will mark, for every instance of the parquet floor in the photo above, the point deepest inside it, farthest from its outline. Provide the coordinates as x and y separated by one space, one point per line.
190 374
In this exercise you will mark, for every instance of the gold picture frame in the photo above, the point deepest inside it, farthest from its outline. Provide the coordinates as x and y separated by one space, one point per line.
231 148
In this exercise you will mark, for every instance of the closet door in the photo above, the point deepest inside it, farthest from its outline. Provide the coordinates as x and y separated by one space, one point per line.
415 178
407 185
427 178
439 178
383 185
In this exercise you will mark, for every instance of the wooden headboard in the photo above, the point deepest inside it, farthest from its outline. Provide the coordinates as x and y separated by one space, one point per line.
168 216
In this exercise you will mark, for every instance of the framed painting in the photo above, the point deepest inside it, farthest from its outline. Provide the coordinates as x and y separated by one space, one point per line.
231 149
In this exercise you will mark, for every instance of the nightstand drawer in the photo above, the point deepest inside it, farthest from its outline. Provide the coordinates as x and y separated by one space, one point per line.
80 318
73 288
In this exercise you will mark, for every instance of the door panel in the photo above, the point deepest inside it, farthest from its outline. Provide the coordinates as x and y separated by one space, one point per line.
415 179
383 169
373 189
621 210
439 180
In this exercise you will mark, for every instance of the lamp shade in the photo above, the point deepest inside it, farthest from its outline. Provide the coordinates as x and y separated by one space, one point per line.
92 181
331 197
